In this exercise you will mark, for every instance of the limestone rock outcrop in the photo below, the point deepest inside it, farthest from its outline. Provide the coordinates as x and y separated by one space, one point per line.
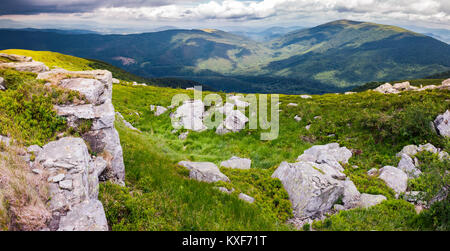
102 137
73 176
22 63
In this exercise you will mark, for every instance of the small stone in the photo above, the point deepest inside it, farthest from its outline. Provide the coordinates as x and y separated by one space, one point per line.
297 118
56 178
338 207
247 198
372 172
66 184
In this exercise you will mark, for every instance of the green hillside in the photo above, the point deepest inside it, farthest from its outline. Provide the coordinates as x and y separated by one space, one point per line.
332 57
160 196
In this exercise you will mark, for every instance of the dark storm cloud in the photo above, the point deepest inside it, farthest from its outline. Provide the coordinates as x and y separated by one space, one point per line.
11 7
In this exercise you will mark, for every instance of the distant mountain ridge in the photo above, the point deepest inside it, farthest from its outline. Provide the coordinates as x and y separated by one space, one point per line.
332 57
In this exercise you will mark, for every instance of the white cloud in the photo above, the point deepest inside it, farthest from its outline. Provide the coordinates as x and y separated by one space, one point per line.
431 12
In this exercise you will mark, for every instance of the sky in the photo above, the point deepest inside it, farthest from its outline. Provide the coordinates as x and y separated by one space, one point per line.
145 15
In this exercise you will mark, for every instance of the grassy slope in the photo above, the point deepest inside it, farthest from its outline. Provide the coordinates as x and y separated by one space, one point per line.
378 125
159 195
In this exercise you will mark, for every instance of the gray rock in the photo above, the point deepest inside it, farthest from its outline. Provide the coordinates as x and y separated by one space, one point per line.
126 123
407 165
369 200
115 81
297 118
34 149
247 198
66 184
386 89
410 150
86 216
190 116
326 153
2 86
204 171
402 86
234 122
351 194
372 172
16 58
442 124
308 127
91 89
428 147
394 178
183 135
237 163
238 102
305 96
292 104
56 178
338 207
311 190
158 110
5 141
33 66
225 190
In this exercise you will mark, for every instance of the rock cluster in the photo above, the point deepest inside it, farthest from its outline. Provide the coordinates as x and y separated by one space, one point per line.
22 63
316 182
191 114
102 137
406 86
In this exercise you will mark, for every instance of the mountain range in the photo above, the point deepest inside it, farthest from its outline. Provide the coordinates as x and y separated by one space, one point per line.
332 57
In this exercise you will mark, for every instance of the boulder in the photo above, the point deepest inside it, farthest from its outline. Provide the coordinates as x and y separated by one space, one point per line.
305 96
369 200
234 122
246 198
86 216
429 148
190 116
204 171
16 58
34 66
331 153
2 86
402 86
158 110
239 103
408 166
115 81
237 163
386 89
311 190
92 89
446 82
394 178
351 196
297 118
292 104
126 123
410 150
442 124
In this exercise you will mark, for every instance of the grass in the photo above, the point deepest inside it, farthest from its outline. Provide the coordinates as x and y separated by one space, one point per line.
375 126
23 195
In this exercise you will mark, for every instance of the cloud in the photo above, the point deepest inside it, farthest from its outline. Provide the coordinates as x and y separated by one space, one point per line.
428 11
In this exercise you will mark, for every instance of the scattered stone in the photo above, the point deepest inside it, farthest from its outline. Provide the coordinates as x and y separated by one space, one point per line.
37 171
204 171
115 81
442 124
190 116
305 96
234 122
237 163
410 150
372 172
2 86
386 89
407 165
34 66
225 190
297 118
247 198
238 102
369 200
310 189
292 104
349 93
126 123
308 127
351 196
91 89
34 149
183 135
402 86
394 178
158 110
